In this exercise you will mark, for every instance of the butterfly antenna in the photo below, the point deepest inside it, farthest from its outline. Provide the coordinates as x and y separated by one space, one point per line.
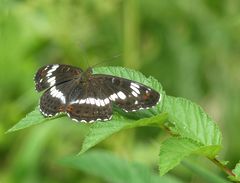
108 60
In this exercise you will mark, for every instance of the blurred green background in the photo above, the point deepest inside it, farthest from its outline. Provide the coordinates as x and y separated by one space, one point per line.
191 47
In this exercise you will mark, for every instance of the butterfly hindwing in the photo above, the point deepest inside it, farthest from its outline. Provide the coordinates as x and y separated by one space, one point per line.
51 103
89 103
89 112
55 99
50 75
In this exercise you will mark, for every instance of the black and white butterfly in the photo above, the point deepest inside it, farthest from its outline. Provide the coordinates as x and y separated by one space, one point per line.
89 97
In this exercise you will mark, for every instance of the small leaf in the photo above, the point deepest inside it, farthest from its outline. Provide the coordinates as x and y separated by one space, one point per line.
173 150
191 121
100 131
209 151
113 169
236 172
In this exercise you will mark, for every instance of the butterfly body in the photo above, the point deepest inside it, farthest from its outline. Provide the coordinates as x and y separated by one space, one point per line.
89 97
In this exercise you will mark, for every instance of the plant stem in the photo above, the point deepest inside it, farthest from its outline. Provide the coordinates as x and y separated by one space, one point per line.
223 167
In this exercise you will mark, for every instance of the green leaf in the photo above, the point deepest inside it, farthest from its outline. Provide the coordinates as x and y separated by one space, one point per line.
33 118
191 121
100 131
173 150
236 172
209 151
113 169
199 134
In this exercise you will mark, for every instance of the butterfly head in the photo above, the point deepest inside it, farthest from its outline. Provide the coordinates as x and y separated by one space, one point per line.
87 74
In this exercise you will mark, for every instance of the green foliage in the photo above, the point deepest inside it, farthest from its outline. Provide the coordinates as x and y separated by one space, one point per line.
191 121
33 118
172 152
101 131
113 169
236 172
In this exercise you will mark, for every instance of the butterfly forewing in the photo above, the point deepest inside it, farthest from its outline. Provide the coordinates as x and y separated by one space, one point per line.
54 74
127 94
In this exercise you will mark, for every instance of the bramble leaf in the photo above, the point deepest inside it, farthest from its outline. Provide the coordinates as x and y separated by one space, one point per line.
192 122
33 118
173 150
236 172
100 131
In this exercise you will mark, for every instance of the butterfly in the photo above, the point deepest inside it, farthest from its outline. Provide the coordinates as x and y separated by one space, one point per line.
88 97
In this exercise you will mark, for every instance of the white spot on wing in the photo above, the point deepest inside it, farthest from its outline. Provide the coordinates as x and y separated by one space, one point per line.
84 121
49 74
54 67
135 89
46 68
134 94
74 102
121 95
102 103
106 101
92 101
113 97
52 81
88 101
54 92
97 101
135 85
82 101
74 119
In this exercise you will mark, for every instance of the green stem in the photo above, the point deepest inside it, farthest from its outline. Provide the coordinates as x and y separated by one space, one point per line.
223 167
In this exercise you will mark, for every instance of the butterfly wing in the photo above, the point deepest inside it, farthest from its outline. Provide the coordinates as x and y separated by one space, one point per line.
89 102
127 94
50 75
